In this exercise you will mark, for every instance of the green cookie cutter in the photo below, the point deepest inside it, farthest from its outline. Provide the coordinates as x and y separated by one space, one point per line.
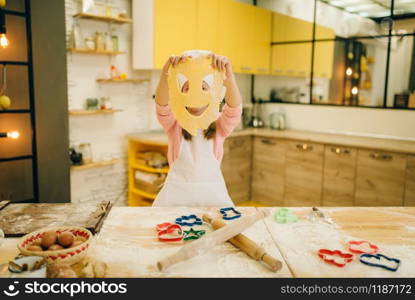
285 216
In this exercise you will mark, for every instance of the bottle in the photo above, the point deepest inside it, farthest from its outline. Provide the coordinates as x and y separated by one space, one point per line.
108 41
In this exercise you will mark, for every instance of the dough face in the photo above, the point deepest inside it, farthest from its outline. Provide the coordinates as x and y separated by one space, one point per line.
195 71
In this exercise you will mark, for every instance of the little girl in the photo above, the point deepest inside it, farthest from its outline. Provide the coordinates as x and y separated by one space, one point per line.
195 177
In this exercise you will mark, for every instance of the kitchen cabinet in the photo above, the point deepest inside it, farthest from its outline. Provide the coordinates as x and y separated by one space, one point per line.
303 174
410 182
339 176
268 171
236 167
174 33
286 29
380 178
293 60
232 28
207 36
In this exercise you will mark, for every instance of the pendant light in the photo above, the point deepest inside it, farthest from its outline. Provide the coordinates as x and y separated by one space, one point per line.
4 42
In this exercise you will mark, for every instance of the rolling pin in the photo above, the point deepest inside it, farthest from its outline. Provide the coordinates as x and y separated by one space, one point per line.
245 244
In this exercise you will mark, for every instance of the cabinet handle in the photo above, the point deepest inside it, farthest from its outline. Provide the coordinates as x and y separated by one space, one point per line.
244 68
278 70
304 147
262 69
236 144
268 142
340 151
381 156
290 71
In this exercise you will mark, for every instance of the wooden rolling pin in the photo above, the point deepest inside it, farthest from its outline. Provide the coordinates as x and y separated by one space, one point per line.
245 244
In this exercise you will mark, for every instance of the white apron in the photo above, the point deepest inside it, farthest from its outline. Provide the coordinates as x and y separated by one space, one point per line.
195 178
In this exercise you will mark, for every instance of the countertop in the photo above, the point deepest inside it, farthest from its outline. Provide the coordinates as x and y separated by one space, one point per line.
128 243
384 144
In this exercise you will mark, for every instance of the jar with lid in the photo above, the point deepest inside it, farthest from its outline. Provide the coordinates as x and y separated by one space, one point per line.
85 149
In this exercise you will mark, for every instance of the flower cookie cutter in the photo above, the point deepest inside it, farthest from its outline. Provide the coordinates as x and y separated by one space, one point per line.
224 211
193 234
365 259
184 220
285 216
335 257
355 247
169 232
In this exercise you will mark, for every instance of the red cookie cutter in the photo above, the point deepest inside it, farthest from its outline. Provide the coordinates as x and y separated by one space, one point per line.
347 257
169 232
374 248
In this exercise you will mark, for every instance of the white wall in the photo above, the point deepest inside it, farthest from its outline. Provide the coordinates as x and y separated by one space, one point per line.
106 133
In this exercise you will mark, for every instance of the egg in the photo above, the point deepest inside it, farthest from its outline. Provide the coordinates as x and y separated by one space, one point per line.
76 243
34 248
66 239
55 247
48 239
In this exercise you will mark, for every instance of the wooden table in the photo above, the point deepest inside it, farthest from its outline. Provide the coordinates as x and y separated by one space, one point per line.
128 244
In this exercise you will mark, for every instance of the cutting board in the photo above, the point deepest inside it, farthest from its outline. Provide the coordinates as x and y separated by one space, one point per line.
19 219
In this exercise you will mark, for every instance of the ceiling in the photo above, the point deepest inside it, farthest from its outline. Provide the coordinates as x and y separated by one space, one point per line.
374 8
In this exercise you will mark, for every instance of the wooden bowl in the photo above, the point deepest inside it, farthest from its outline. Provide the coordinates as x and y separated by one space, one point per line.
67 255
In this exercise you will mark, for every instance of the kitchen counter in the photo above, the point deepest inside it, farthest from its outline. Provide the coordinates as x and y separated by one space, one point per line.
384 144
128 244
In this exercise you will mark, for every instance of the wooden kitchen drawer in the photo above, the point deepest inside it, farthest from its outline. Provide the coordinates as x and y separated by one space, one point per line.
268 171
303 174
410 182
380 178
236 167
339 176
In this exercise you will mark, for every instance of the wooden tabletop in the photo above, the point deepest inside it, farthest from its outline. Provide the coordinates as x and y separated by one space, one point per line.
128 243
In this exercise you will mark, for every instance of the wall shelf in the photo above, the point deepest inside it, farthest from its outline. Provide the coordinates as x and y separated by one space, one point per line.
143 194
93 112
112 80
108 19
150 169
95 165
98 52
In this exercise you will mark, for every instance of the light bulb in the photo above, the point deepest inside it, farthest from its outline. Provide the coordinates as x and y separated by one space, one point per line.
355 90
4 42
13 134
349 71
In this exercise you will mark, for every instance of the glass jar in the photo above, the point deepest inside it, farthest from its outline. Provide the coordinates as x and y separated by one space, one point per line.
85 149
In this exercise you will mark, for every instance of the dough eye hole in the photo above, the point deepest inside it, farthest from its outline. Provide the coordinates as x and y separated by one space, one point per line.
207 82
183 83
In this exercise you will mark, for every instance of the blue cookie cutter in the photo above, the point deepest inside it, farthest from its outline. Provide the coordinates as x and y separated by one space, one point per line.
224 212
378 257
182 221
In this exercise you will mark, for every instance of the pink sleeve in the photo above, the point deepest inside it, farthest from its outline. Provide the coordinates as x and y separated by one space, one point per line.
228 119
165 117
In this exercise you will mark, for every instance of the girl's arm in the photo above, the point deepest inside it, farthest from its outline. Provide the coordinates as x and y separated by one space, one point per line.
233 96
164 114
231 113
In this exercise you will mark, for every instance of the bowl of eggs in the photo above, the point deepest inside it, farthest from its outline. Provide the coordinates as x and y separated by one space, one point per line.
60 244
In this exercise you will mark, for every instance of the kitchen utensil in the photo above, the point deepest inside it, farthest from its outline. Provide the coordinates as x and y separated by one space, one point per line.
256 120
75 157
209 241
335 257
168 232
193 234
285 216
248 246
68 255
317 214
380 261
355 247
225 216
183 220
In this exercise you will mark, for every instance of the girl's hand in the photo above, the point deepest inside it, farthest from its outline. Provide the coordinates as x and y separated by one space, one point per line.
223 64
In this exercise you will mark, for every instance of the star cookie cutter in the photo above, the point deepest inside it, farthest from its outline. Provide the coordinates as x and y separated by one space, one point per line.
193 234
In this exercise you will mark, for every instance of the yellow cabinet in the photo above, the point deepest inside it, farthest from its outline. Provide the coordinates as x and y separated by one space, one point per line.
261 52
286 29
175 28
207 37
292 60
324 52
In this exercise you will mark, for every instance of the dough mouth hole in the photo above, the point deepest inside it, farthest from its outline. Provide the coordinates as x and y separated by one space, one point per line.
196 111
